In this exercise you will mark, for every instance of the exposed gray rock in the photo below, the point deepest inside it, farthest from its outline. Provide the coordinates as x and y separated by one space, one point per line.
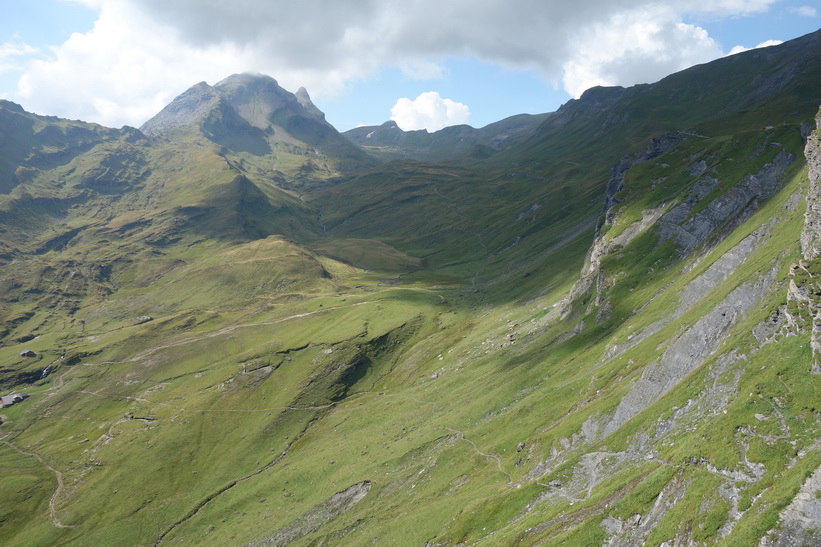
766 331
591 270
525 214
697 289
702 187
807 296
811 235
689 229
800 522
261 101
318 515
633 531
796 294
719 270
689 350
727 210
189 108
656 147
614 186
305 100
697 169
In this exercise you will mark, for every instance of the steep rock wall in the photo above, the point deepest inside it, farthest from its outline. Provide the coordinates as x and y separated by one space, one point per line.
805 288
700 218
800 522
726 211
591 270
811 236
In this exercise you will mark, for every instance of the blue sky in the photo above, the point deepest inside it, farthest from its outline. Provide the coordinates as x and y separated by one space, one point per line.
427 63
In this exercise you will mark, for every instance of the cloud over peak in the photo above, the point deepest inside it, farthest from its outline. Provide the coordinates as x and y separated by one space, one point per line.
429 111
141 53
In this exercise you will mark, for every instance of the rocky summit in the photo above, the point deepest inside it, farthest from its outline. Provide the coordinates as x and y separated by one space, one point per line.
596 326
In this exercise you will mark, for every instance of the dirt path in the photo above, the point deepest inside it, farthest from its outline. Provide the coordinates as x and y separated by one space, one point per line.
52 504
193 512
232 328
203 410
58 385
484 455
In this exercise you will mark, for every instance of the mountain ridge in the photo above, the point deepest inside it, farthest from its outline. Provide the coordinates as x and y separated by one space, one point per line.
390 142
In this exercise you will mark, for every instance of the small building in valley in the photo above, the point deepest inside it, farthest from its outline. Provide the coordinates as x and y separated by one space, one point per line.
27 353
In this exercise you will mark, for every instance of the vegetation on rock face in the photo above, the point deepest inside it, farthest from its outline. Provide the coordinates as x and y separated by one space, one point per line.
246 331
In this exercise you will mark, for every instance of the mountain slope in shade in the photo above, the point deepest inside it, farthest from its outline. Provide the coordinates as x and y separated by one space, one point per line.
558 174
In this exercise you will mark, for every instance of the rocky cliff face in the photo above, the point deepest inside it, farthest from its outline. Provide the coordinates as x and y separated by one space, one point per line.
592 277
811 236
707 212
257 99
799 522
189 108
262 102
805 289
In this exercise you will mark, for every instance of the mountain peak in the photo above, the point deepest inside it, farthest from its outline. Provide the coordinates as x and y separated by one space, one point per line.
305 100
187 109
257 98
262 102
248 78
251 113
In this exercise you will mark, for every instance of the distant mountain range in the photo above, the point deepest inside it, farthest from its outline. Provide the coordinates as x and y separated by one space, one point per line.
388 141
597 326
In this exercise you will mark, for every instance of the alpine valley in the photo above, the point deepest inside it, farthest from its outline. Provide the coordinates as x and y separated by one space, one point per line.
598 326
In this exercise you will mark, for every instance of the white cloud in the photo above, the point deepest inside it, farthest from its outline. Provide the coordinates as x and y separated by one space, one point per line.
635 47
129 66
428 111
119 72
768 43
141 53
11 54
805 11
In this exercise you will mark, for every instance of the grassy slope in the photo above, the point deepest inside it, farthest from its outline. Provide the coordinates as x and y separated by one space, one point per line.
271 377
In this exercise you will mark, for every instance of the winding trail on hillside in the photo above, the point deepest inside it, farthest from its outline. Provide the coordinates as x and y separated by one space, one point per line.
204 410
225 330
58 385
52 504
461 435
197 508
